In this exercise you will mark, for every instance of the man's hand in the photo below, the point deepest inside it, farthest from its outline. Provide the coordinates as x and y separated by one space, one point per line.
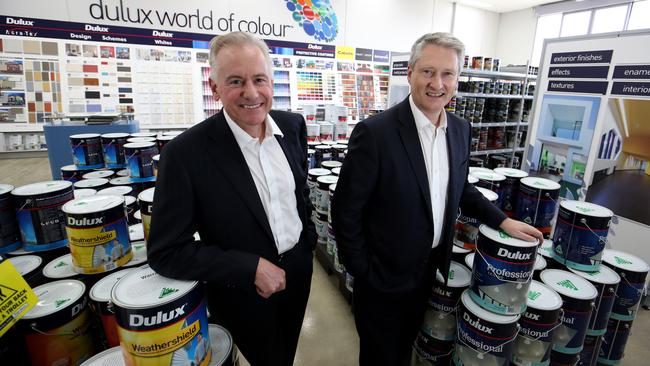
269 278
521 230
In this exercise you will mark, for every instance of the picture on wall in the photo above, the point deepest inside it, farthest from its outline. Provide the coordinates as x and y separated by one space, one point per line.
90 51
123 53
72 50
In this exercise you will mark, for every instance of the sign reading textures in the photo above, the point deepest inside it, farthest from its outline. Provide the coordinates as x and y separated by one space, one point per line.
579 72
590 87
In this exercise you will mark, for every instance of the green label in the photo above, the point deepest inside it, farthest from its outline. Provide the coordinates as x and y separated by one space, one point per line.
568 284
166 291
533 295
528 220
558 250
620 260
451 275
504 235
60 264
540 184
58 303
585 209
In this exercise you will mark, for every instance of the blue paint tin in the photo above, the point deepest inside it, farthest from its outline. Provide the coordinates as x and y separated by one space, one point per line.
113 148
492 181
580 234
633 271
9 231
589 354
139 157
502 271
510 189
578 296
429 351
612 348
606 283
537 202
73 173
87 150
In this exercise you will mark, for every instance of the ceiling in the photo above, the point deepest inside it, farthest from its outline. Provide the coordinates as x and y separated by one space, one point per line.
637 113
504 6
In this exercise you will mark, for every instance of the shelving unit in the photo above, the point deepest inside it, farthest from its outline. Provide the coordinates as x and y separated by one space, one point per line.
281 90
210 106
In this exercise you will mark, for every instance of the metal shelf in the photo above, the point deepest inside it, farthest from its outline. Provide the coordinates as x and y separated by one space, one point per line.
494 74
488 152
497 96
496 124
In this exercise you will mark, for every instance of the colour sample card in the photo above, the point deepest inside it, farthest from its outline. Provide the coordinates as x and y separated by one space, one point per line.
315 86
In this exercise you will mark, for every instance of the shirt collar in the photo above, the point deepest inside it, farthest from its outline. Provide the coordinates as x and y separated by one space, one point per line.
421 121
243 138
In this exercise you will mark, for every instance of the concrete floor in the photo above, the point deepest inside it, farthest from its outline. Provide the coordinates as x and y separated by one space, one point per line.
328 335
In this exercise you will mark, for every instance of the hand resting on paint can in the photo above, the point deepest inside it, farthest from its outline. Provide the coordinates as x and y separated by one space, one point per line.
521 230
269 278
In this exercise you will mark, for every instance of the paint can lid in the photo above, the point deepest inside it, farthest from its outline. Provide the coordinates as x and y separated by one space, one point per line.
540 263
71 168
156 157
120 181
331 164
502 237
143 287
316 172
26 263
469 260
116 191
172 133
624 261
165 137
91 183
488 176
55 296
123 173
546 248
147 195
472 179
98 174
136 232
490 195
136 140
115 135
84 136
101 291
139 254
459 275
542 297
20 251
540 183
586 208
604 275
92 204
129 200
6 188
476 169
327 180
511 172
336 171
84 192
475 309
332 188
110 357
144 134
221 344
568 284
139 145
60 267
138 215
41 188
459 250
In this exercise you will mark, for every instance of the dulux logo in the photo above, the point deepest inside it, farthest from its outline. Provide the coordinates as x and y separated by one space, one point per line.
162 34
19 21
96 28
85 221
477 324
316 18
503 252
136 320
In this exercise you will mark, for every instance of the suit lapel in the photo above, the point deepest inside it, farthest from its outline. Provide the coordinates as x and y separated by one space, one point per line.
453 139
228 157
411 141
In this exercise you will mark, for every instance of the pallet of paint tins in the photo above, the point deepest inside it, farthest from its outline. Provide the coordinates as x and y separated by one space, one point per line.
100 296
484 338
510 189
612 348
87 150
9 231
139 158
537 202
466 228
145 202
502 271
98 233
578 297
151 310
606 283
537 323
580 234
113 149
58 330
633 272
40 218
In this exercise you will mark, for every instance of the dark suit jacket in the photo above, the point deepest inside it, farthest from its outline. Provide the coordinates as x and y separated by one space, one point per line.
205 185
381 209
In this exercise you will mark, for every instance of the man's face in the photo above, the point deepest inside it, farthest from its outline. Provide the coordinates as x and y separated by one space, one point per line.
433 79
244 85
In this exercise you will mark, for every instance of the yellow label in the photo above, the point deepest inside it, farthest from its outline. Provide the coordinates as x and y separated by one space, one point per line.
345 52
146 224
16 297
90 237
98 249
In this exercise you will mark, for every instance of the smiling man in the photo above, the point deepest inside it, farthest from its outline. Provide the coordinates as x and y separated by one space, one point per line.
397 198
239 179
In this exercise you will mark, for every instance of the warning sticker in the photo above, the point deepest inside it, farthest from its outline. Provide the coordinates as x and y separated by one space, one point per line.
16 297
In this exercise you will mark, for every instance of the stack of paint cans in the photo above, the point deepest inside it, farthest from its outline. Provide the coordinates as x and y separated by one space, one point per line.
510 189
491 180
467 226
537 203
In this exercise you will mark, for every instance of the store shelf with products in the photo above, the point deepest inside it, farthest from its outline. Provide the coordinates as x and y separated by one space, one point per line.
281 90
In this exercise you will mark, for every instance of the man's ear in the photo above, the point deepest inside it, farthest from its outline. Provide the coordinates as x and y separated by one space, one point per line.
213 88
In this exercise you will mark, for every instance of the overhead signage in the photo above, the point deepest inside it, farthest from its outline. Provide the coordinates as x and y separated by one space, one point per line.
572 86
635 88
345 52
582 57
578 72
380 56
363 54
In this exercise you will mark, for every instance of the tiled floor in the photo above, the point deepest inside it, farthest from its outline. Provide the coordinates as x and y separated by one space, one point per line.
328 336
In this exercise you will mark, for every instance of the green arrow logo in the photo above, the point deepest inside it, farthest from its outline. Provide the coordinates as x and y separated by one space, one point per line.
585 209
540 184
568 284
504 235
558 250
533 295
166 291
60 264
451 275
58 303
620 260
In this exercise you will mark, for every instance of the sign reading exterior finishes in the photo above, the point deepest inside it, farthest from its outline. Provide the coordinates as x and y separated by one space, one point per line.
572 86
582 57
632 72
578 72
631 88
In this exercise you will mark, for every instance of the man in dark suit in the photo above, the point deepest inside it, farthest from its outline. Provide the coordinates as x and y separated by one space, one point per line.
239 179
397 199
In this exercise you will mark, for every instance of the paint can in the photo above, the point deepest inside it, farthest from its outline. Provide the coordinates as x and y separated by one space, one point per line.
484 338
131 206
96 183
330 164
163 140
172 133
156 162
510 189
30 267
326 131
38 210
578 296
471 179
332 190
563 359
331 240
320 222
580 234
614 341
606 283
492 181
458 254
440 316
108 174
116 191
323 153
323 192
477 62
121 181
61 268
100 296
469 260
312 182
138 216
9 230
546 251
429 351
537 202
590 350
633 272
59 327
73 173
224 351
313 132
311 159
98 233
540 265
113 148
139 158
145 201
143 134
503 269
467 227
84 192
122 173
87 150
478 169
110 357
487 64
141 139
161 320
338 152
537 323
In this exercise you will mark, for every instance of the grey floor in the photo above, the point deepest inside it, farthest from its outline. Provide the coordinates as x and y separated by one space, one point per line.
328 334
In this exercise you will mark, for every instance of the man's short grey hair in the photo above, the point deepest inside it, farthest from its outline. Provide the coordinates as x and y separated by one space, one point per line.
442 39
236 39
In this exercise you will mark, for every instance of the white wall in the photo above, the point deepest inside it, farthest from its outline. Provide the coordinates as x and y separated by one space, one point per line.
477 29
443 16
515 37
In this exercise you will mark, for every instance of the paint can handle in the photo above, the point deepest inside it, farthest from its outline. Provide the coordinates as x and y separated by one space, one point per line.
33 327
